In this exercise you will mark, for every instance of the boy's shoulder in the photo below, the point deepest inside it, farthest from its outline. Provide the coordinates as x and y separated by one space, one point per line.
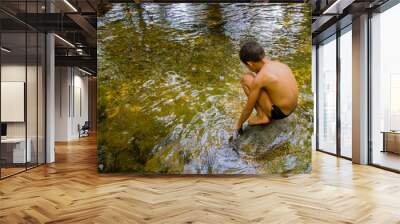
274 67
263 76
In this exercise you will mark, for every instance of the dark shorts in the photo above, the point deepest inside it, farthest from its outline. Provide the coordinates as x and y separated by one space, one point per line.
276 113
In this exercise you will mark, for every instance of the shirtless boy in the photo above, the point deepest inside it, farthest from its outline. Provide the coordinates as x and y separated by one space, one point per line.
272 91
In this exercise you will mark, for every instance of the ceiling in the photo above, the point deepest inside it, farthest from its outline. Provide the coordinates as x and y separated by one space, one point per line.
331 15
73 21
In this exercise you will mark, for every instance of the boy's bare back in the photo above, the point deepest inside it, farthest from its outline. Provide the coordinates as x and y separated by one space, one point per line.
279 82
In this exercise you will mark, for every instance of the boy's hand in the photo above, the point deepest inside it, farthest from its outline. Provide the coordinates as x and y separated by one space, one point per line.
238 127
236 134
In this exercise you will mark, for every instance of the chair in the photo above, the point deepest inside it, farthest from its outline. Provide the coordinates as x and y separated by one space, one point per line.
84 130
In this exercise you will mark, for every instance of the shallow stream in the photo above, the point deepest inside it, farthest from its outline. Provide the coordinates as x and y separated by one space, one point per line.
169 88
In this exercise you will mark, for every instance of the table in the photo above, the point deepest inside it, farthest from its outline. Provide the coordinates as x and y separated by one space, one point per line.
391 141
13 150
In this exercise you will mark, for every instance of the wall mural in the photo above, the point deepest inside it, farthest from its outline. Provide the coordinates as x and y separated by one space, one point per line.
172 88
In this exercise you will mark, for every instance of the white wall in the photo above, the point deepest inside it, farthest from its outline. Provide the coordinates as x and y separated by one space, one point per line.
80 110
9 73
71 102
16 73
62 82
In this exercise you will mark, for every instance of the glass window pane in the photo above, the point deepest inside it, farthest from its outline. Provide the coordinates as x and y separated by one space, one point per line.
41 98
327 96
31 97
23 89
385 89
13 86
346 93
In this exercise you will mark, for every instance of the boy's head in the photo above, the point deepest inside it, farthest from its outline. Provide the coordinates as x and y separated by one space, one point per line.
251 54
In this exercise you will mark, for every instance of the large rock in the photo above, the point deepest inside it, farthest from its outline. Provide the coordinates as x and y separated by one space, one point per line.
258 149
257 140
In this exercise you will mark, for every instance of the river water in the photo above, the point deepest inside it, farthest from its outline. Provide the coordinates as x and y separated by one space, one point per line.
169 88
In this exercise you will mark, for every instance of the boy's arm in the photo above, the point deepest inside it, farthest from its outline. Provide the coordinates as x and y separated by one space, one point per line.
251 102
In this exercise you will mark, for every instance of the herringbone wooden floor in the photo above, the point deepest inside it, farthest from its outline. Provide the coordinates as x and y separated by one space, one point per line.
71 191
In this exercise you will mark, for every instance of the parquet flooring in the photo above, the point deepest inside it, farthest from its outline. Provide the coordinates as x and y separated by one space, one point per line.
71 191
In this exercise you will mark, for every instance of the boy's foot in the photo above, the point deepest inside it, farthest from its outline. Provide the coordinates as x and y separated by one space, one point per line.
258 120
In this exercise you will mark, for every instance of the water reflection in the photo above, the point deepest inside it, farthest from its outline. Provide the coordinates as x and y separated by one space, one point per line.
169 89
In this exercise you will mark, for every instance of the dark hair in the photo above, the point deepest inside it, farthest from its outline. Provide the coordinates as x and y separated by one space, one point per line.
251 51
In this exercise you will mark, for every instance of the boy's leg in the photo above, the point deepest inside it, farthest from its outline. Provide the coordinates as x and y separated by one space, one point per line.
263 105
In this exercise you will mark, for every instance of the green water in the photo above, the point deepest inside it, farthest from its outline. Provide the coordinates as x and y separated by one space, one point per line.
169 88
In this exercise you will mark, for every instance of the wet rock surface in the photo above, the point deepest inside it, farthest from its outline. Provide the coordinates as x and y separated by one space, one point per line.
245 154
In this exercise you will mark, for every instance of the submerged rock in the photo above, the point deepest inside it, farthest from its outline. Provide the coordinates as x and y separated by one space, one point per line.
260 149
256 140
290 162
280 147
220 161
